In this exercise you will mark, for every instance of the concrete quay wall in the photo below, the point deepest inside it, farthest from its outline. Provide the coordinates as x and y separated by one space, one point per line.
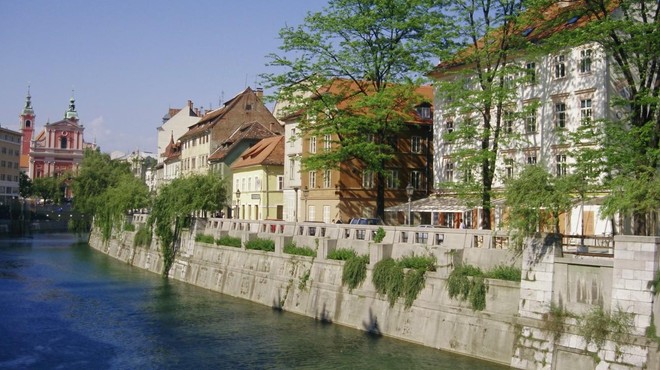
511 330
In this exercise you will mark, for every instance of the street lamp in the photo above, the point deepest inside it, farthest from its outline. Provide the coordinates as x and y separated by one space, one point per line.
305 194
238 202
409 191
295 211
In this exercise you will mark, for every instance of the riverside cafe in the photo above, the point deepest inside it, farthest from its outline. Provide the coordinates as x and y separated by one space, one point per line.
442 211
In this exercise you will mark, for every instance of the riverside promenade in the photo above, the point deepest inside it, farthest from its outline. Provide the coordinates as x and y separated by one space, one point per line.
520 326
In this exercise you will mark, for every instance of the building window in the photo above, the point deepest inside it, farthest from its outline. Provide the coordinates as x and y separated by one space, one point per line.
508 121
63 142
530 122
292 168
561 164
327 179
391 179
585 111
530 72
327 143
243 184
560 115
416 179
280 182
508 167
312 144
292 139
531 159
249 184
326 214
449 127
416 144
585 61
367 179
449 171
560 66
312 180
424 112
257 183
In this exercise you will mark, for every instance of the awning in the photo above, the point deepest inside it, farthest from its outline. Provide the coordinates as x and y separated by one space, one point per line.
432 204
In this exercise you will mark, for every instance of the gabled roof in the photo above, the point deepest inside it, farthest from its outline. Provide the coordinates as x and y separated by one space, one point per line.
269 151
531 27
65 124
172 150
248 131
350 89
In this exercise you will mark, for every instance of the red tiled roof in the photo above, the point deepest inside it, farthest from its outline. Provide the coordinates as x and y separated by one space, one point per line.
269 151
247 131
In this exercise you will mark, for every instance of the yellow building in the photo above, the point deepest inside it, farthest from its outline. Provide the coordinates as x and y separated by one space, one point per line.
10 152
258 177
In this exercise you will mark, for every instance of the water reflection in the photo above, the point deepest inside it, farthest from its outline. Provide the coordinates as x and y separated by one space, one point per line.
67 306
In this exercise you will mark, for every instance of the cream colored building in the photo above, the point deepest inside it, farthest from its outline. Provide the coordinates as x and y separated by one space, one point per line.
10 151
258 177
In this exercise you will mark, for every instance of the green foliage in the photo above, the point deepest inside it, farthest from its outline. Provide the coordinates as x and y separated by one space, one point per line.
477 294
50 188
479 94
355 271
261 244
390 279
459 283
342 254
204 238
597 326
229 241
379 235
555 321
142 236
106 190
375 49
502 272
25 185
535 198
655 283
175 203
301 251
424 263
413 284
129 226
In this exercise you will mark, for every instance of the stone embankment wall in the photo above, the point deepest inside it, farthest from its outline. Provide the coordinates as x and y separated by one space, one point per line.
511 330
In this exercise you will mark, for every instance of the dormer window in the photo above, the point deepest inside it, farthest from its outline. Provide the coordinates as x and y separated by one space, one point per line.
424 111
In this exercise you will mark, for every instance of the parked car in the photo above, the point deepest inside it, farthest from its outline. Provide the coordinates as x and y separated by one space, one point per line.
366 221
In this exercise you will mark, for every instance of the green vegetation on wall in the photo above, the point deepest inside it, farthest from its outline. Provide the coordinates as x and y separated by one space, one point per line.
390 279
292 248
355 271
229 241
466 282
261 245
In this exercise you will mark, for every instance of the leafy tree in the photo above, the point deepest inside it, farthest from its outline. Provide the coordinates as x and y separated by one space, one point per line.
629 34
477 85
535 198
177 201
352 70
106 190
49 188
25 186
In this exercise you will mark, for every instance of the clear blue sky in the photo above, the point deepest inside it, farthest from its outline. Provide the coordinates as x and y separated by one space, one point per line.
128 61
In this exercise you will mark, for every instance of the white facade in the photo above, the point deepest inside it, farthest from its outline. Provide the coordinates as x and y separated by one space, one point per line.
292 154
569 87
175 127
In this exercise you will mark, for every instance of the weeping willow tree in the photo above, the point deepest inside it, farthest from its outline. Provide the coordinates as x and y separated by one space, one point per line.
175 205
104 191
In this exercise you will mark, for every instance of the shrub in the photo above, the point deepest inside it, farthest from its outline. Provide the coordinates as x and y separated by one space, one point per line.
597 326
389 278
501 272
461 286
379 235
204 238
342 254
129 226
142 236
261 245
229 241
426 263
355 271
301 251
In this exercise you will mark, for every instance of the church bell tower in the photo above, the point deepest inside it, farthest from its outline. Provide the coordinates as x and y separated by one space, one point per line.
27 118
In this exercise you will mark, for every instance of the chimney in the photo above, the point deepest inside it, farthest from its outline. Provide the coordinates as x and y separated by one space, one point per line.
190 104
197 112
260 93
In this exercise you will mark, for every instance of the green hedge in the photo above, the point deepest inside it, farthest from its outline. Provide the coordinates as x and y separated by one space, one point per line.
300 251
261 245
229 241
204 238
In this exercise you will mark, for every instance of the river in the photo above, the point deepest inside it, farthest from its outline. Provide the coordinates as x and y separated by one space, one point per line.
64 305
